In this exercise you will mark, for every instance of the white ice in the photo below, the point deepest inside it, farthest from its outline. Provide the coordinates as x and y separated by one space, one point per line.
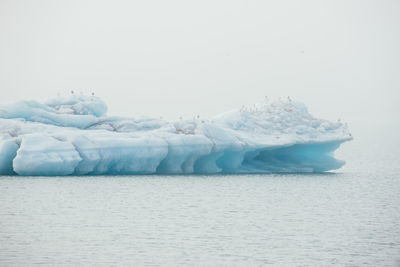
73 136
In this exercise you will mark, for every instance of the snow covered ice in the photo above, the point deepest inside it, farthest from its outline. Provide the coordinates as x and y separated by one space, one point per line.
73 136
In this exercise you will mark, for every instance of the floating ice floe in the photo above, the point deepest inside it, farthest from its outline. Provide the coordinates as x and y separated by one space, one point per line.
73 136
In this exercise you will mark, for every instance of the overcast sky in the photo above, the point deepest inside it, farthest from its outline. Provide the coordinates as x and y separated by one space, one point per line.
172 58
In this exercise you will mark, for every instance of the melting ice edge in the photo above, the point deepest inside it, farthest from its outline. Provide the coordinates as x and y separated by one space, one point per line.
73 136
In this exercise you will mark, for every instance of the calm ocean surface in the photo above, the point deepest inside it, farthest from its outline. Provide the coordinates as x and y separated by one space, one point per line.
347 218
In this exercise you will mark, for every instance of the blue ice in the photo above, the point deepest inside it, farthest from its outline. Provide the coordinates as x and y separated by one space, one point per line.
74 136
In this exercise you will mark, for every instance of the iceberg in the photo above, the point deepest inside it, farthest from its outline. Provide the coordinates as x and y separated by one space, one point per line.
73 136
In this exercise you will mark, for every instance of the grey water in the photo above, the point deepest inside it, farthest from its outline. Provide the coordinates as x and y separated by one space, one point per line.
350 217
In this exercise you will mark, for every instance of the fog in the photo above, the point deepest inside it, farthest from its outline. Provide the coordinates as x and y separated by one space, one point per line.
183 58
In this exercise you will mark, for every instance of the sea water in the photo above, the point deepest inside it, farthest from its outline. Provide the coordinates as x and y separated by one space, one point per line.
347 218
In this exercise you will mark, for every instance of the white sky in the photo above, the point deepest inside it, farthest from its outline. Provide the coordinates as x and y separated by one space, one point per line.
172 58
